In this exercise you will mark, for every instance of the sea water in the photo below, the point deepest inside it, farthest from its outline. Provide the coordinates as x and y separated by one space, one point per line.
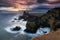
7 34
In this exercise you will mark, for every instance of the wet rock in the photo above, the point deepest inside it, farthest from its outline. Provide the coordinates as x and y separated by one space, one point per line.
13 21
44 31
15 18
17 28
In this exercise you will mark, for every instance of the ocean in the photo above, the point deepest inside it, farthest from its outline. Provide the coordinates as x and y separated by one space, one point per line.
5 35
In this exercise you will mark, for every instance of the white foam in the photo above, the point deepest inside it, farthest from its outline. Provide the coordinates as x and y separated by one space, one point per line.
42 30
8 29
22 25
39 31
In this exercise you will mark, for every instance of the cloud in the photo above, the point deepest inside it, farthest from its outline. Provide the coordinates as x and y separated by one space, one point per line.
18 3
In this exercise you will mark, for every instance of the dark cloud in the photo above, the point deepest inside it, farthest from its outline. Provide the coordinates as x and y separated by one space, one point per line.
3 3
41 1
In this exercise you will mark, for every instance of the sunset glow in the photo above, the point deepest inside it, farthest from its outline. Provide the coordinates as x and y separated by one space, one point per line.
13 9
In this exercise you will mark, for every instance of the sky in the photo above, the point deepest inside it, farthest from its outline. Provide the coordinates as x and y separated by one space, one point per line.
28 2
22 4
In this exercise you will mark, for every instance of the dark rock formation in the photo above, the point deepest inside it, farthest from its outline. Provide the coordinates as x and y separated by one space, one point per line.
32 22
31 27
51 18
17 28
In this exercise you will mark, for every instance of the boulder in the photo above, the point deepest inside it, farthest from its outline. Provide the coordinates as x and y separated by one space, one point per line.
17 28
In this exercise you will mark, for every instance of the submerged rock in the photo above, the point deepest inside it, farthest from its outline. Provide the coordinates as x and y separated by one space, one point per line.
17 28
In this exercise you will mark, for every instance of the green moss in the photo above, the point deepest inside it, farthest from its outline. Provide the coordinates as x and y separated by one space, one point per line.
32 24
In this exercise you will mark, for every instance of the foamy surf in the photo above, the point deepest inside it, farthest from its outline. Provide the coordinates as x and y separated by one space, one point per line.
39 31
22 25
